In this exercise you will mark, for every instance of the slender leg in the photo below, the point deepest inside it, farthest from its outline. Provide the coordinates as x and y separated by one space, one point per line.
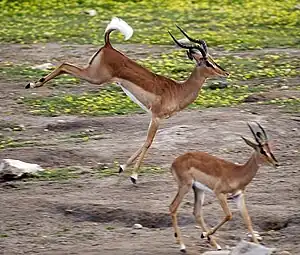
65 68
223 201
182 191
198 203
142 150
241 204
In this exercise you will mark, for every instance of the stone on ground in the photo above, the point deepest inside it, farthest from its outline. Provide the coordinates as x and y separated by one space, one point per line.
11 169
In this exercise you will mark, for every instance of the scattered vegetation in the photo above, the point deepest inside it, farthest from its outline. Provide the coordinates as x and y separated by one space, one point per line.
9 142
174 65
107 171
289 104
104 103
57 174
227 24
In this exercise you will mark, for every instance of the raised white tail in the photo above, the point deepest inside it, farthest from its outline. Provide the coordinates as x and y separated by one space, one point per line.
120 25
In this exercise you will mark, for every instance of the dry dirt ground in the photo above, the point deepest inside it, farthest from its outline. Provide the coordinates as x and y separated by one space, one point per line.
90 215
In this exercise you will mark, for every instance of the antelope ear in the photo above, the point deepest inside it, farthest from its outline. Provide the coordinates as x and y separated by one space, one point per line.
251 144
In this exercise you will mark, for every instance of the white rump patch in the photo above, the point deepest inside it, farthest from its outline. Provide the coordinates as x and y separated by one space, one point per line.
201 186
120 25
133 98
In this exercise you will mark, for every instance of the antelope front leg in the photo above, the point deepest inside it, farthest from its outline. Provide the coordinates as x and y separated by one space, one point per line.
223 202
141 151
241 204
64 68
198 204
150 136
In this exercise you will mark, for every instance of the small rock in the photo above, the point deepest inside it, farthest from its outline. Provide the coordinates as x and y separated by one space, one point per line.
247 248
223 252
11 169
284 87
284 253
137 226
91 12
254 98
297 7
219 85
43 67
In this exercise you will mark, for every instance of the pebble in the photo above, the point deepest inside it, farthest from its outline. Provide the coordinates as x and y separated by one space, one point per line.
284 87
43 67
137 226
284 253
91 12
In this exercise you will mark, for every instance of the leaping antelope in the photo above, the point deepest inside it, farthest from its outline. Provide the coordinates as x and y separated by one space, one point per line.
206 173
156 94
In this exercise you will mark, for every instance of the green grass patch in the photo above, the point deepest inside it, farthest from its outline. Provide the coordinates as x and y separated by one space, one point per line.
115 102
289 104
238 24
176 65
103 172
9 142
112 100
57 174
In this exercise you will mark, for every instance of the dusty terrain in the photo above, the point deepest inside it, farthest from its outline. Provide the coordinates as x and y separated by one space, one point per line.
91 215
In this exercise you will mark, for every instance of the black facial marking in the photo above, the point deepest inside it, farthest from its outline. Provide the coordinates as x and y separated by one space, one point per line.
27 86
42 79
273 157
220 67
262 151
209 64
175 234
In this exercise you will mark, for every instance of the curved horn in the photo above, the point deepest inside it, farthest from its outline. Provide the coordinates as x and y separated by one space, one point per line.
253 133
203 53
202 42
262 129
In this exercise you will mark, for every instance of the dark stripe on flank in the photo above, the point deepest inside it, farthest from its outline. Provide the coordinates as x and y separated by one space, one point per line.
90 62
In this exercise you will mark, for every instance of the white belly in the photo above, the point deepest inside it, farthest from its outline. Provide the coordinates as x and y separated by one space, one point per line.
133 98
202 186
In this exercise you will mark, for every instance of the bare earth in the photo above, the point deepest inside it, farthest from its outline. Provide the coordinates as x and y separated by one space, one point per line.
90 215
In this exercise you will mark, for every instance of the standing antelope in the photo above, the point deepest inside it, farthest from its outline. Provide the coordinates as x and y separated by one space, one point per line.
206 173
156 94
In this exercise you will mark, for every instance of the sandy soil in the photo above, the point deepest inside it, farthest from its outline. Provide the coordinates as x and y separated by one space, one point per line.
90 215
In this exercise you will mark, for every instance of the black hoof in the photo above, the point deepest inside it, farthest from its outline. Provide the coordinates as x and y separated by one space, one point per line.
183 250
27 86
133 180
120 169
202 236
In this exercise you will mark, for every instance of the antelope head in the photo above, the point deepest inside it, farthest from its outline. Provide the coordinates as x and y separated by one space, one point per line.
262 145
199 54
